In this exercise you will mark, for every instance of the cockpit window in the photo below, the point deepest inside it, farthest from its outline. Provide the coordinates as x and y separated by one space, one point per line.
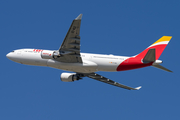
13 51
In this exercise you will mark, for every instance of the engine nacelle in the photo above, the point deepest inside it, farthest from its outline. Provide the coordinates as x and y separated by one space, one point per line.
69 77
47 54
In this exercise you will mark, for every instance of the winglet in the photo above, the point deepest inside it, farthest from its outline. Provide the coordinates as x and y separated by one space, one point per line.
137 88
79 17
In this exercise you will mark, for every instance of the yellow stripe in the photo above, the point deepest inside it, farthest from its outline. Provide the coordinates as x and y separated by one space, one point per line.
163 38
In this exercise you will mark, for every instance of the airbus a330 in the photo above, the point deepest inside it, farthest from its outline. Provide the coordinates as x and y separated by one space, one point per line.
69 58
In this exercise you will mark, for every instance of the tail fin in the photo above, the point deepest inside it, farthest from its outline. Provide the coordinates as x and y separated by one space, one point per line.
154 51
148 57
159 47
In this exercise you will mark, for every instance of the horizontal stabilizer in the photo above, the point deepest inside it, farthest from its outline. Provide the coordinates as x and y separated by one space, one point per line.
150 56
161 67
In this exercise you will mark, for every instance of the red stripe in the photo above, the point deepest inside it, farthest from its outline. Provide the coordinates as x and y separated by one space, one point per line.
132 63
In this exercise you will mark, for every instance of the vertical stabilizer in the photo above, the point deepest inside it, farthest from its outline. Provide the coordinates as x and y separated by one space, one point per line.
159 47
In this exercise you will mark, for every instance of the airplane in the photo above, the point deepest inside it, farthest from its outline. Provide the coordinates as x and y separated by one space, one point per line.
69 58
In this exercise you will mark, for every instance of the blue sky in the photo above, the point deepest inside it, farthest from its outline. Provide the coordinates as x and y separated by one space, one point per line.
108 27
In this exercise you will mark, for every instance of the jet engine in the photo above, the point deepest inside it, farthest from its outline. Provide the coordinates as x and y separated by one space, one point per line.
69 77
48 54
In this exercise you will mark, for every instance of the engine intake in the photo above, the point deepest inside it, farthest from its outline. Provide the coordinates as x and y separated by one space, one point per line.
69 77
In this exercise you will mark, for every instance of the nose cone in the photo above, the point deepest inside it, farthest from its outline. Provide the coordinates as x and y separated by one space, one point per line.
9 56
15 56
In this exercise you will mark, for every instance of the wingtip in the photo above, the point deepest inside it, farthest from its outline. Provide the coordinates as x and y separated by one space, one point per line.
137 88
79 17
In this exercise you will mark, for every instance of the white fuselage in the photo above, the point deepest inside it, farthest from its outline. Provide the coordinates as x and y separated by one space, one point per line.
91 62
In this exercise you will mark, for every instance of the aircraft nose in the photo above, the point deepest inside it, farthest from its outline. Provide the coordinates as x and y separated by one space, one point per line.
14 57
8 55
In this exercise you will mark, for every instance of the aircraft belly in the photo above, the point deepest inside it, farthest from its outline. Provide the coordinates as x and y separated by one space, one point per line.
102 67
85 67
107 65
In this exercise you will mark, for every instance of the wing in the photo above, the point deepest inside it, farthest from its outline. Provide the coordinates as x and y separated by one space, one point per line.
108 81
70 48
